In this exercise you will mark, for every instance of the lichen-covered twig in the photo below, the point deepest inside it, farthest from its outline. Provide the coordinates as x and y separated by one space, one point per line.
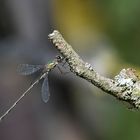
125 86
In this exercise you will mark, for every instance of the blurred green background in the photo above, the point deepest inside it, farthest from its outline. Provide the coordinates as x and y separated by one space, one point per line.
105 33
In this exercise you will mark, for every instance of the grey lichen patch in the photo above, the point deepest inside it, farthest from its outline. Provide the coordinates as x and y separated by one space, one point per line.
126 77
87 65
136 90
135 96
137 104
51 36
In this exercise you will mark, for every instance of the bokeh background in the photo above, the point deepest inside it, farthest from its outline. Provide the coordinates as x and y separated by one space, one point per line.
105 33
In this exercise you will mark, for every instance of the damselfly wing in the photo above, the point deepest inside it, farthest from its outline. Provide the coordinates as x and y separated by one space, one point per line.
45 90
26 69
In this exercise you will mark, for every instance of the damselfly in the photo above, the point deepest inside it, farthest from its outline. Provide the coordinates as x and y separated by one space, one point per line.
26 69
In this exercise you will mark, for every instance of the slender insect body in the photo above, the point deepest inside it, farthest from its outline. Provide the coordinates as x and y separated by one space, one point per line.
26 69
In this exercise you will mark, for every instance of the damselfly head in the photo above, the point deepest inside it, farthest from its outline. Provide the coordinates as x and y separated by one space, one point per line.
59 58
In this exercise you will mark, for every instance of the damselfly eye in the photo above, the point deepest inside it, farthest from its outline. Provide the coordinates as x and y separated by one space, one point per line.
59 58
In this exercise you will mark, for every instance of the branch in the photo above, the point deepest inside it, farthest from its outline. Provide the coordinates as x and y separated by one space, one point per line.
125 86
